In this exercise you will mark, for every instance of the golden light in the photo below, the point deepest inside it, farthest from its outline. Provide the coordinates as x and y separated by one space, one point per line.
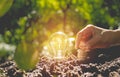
58 44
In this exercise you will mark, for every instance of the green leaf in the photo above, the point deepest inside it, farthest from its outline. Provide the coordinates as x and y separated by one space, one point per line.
4 6
26 55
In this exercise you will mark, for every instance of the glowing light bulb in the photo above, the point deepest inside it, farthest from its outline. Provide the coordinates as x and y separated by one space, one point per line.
58 43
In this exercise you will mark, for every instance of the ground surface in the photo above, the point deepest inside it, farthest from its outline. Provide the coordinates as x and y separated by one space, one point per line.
101 63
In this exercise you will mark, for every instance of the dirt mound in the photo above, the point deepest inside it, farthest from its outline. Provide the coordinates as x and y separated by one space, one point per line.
101 63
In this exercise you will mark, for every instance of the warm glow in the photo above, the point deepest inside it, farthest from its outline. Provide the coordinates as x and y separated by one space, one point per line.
58 44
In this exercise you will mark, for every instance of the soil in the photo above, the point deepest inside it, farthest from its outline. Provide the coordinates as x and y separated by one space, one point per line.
101 63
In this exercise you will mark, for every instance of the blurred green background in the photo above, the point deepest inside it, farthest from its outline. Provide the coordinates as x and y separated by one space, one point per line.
35 20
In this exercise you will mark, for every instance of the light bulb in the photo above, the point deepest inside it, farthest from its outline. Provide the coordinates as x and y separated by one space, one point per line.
58 44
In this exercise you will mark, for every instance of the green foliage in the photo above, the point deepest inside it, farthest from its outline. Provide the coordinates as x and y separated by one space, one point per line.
4 6
10 21
26 55
6 49
60 14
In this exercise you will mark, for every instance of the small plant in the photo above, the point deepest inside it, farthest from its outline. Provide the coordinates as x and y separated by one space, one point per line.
26 55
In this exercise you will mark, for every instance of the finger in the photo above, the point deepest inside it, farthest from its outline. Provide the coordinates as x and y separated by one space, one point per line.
83 36
93 42
87 33
78 39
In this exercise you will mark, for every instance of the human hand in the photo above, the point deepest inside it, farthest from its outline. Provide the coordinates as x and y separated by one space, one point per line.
92 37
